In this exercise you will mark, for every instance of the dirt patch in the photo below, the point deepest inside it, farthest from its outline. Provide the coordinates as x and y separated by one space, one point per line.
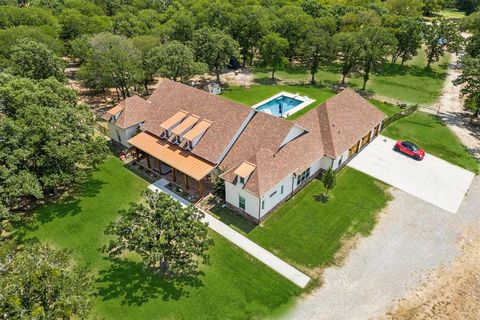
450 292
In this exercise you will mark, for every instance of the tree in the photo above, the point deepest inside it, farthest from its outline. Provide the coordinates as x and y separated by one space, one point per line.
470 79
145 45
38 282
469 6
329 180
175 61
34 60
273 51
215 48
471 23
377 44
291 23
430 6
408 32
48 143
170 238
113 62
473 45
405 8
251 25
317 48
440 36
348 48
182 25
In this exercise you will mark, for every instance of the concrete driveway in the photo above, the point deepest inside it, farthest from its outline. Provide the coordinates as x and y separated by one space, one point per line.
432 179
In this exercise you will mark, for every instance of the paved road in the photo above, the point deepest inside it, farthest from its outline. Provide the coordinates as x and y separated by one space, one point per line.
432 179
280 266
412 236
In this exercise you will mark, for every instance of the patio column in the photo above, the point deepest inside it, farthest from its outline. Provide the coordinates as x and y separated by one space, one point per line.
137 154
200 187
159 167
148 162
174 175
186 181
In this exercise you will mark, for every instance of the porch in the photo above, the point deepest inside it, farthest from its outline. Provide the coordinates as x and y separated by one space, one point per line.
187 174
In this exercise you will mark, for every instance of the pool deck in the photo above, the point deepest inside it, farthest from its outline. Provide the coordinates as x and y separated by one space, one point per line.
305 102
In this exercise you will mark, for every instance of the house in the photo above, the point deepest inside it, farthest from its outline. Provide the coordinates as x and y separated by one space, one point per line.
187 135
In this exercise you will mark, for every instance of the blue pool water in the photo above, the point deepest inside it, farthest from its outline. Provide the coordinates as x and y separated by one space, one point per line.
279 106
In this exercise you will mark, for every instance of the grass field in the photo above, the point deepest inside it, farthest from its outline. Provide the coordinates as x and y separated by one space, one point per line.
233 286
410 83
431 134
308 232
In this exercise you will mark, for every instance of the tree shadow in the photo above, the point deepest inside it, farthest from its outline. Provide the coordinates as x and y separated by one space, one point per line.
69 206
321 198
397 69
135 285
267 81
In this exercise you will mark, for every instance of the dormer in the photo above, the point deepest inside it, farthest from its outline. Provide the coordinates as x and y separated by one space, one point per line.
194 135
168 125
182 128
243 172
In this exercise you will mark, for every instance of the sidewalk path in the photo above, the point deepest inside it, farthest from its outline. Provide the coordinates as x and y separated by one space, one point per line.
280 266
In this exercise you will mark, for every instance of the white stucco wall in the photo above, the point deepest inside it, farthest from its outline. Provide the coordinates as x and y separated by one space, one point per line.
270 200
343 158
125 134
232 193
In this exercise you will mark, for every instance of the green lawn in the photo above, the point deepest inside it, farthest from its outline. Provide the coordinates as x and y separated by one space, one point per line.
410 83
307 231
431 134
387 108
233 286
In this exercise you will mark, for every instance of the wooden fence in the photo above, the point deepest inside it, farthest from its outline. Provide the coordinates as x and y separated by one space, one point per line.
102 127
401 114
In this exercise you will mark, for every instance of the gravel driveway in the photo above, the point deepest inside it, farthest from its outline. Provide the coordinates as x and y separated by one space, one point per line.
411 237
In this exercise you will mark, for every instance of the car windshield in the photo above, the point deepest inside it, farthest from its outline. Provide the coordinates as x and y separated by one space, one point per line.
410 145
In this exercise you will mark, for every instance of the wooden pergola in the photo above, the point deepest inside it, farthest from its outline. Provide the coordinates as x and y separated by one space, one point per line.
173 156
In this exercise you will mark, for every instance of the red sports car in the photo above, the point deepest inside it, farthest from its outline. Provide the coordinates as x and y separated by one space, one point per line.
410 149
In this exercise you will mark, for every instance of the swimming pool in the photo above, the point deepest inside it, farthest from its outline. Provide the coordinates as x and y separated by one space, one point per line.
283 104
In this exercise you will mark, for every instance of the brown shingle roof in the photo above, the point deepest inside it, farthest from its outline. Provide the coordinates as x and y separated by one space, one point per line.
134 111
269 170
344 119
264 131
226 116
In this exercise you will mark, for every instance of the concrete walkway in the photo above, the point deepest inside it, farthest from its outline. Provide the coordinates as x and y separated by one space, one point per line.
280 266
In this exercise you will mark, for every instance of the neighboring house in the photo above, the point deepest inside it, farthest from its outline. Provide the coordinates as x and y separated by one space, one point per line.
190 134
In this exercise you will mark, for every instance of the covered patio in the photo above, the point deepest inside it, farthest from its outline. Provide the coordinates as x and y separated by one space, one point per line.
180 167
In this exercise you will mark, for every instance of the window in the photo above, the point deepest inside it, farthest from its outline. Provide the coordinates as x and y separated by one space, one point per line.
241 202
340 162
242 180
263 204
119 138
303 176
273 193
281 189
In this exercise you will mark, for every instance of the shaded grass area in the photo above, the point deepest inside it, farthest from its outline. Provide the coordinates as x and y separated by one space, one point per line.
410 83
225 289
307 231
432 135
233 219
